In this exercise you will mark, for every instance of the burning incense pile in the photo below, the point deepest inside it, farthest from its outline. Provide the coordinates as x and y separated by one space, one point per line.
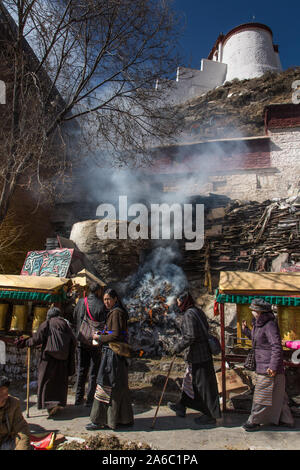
151 302
154 322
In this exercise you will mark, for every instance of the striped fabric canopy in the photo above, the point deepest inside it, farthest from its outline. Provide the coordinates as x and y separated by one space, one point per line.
240 287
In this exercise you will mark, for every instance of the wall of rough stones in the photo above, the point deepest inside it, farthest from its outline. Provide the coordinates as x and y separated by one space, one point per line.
15 367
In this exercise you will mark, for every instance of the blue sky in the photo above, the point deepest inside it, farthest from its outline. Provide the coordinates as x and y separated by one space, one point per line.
206 20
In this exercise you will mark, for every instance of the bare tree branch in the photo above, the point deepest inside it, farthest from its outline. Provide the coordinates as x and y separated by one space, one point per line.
82 73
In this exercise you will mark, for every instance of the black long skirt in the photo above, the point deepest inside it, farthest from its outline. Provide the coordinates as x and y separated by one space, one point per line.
52 383
119 409
206 395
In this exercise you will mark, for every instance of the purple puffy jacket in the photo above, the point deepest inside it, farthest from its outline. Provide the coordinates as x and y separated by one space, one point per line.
268 349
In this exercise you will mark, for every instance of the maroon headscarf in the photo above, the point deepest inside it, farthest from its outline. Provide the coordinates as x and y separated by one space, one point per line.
187 301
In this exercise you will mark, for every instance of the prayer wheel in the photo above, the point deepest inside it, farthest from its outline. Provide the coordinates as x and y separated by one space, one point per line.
19 318
243 313
289 323
297 322
39 316
3 313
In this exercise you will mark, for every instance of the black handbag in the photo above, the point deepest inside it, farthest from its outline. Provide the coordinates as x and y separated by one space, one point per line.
250 363
214 345
213 342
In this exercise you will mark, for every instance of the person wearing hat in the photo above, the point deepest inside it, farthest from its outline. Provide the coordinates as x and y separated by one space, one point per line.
14 430
199 389
270 401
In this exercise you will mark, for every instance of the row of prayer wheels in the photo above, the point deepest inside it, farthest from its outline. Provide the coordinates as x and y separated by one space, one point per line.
288 320
19 317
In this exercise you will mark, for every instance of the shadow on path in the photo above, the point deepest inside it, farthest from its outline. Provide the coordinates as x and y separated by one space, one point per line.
173 423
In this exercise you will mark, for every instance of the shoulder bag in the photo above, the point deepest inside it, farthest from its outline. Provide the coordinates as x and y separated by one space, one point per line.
88 328
122 349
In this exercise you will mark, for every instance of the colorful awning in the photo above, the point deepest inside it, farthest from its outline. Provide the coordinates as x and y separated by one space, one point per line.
260 283
240 287
48 289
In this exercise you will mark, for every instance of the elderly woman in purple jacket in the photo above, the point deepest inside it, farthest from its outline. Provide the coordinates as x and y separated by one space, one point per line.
270 401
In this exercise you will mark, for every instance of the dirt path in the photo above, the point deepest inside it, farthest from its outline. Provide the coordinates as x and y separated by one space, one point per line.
170 432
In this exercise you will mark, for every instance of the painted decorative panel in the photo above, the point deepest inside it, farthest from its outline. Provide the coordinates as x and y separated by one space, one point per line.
48 263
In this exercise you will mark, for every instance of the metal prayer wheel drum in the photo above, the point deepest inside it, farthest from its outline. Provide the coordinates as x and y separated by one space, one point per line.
39 316
289 322
19 318
243 313
3 313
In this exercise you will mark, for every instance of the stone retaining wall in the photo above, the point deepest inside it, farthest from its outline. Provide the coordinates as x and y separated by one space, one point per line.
16 363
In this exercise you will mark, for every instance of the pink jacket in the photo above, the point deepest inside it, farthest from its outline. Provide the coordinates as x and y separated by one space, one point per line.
293 344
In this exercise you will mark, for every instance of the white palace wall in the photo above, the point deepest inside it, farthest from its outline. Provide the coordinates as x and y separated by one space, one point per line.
281 180
285 156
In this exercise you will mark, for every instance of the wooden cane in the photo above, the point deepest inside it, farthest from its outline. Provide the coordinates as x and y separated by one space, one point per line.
171 365
28 381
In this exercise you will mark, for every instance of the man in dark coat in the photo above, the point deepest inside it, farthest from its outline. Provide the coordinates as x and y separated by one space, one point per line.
14 430
200 391
89 357
57 360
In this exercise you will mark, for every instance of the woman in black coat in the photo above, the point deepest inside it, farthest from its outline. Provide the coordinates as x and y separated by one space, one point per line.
57 360
200 390
112 403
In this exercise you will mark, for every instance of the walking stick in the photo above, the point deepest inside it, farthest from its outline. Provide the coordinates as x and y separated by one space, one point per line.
171 365
28 381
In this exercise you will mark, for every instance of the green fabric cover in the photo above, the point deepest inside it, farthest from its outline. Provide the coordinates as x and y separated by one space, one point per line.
32 296
246 299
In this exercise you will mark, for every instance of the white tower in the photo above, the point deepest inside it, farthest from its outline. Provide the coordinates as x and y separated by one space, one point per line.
249 52
245 52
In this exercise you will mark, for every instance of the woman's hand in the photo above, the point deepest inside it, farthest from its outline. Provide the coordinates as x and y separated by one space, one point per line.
20 342
271 372
244 325
283 342
96 339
